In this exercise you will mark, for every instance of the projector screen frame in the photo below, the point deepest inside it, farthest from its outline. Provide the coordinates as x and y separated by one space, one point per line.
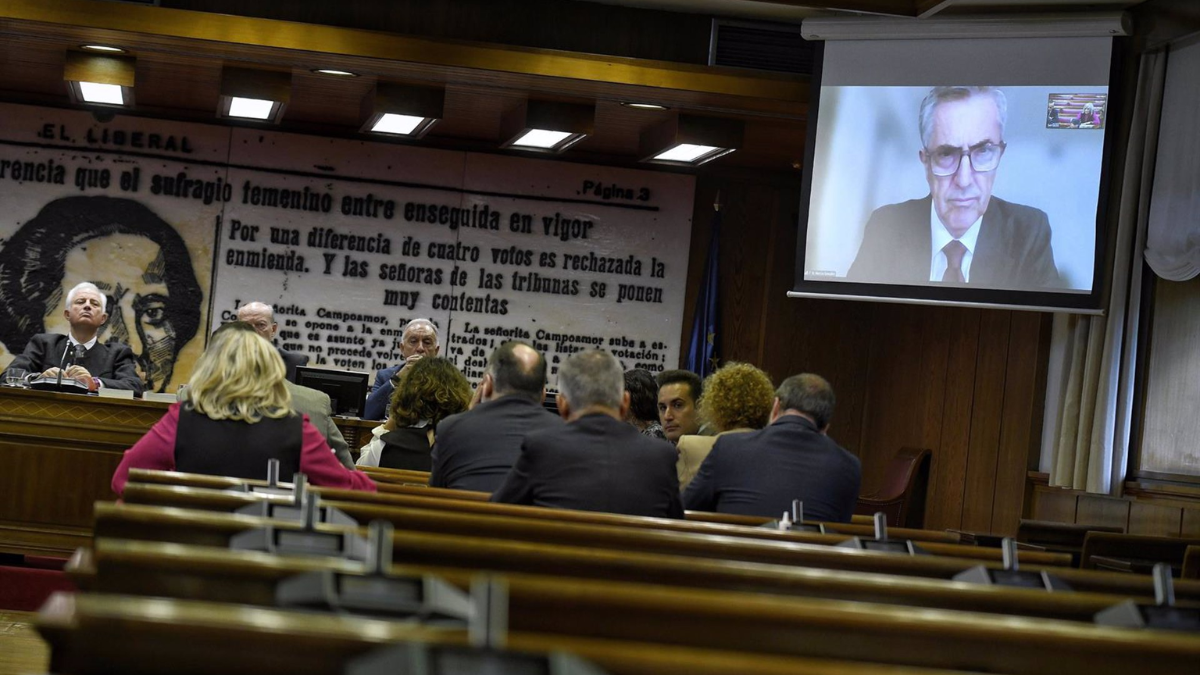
1089 303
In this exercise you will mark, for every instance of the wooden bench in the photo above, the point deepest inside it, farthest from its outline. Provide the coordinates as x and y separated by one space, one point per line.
201 572
692 619
99 635
1132 552
186 526
777 549
139 491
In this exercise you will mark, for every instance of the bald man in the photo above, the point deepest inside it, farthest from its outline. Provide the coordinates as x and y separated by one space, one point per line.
262 317
474 450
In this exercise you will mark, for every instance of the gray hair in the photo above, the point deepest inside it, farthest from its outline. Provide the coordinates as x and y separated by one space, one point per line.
591 378
420 322
259 305
88 286
939 95
810 394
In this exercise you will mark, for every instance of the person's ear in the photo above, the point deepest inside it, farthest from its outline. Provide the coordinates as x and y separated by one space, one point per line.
921 155
624 405
486 385
274 329
775 410
564 406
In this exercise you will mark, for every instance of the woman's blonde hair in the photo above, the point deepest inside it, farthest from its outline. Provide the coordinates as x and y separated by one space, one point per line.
737 396
430 389
239 376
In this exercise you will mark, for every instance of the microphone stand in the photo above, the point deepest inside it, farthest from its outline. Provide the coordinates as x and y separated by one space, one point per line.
62 363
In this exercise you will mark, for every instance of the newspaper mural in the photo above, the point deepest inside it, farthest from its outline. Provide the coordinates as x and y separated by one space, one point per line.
349 240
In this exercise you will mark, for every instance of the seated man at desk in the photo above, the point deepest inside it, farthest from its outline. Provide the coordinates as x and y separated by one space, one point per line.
80 354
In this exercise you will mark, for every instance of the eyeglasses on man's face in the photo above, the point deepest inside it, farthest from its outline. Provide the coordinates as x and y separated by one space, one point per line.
945 160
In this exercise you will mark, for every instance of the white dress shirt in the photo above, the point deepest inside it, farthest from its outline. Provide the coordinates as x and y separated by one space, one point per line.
940 237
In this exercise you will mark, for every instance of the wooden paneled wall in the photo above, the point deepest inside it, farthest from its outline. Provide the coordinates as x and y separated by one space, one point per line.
966 383
585 27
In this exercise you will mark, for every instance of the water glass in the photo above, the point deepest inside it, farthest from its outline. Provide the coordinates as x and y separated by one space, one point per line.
15 377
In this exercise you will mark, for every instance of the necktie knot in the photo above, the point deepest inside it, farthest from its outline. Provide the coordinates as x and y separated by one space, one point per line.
954 256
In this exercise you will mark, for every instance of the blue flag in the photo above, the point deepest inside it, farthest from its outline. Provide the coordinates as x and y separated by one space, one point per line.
703 356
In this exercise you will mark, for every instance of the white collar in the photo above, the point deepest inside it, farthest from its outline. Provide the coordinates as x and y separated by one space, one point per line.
941 236
86 345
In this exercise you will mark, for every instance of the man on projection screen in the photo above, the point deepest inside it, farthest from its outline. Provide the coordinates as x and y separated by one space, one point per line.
960 233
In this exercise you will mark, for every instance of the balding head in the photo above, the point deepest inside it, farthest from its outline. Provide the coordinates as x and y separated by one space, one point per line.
261 316
517 369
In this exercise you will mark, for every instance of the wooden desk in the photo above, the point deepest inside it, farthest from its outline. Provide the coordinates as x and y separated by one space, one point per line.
57 457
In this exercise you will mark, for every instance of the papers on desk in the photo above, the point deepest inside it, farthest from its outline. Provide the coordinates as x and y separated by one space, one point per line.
159 397
109 392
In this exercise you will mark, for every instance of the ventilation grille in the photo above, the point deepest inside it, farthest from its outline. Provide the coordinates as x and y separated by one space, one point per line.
759 46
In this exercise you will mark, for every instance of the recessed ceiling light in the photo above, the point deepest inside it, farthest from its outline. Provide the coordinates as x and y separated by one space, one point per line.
685 152
334 72
392 123
95 92
250 108
644 106
103 48
541 138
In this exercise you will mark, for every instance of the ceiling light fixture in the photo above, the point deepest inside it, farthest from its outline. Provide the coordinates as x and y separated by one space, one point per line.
103 48
644 106
689 140
402 110
334 72
99 80
258 95
546 126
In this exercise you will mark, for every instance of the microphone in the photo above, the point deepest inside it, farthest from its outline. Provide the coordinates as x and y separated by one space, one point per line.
62 364
80 352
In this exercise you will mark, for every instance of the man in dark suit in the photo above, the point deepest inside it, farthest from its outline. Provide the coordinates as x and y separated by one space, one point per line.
595 462
418 340
475 449
109 365
960 234
262 317
761 472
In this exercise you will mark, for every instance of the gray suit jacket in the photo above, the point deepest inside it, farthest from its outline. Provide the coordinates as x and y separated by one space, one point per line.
316 405
113 363
1013 249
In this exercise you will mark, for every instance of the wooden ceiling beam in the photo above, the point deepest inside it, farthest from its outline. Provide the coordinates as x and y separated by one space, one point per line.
291 44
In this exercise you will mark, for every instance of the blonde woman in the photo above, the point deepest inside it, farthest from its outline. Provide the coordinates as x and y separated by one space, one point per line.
235 415
737 398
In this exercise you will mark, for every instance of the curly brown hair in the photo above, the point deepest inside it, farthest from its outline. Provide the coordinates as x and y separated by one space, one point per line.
737 396
430 389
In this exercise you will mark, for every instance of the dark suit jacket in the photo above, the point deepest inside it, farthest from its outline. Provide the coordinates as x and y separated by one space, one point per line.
595 463
112 363
474 450
381 393
291 360
759 474
1013 249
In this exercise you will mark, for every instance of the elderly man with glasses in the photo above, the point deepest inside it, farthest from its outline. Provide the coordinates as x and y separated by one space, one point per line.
959 234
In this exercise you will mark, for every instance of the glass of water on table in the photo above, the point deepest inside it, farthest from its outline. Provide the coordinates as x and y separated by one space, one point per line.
15 377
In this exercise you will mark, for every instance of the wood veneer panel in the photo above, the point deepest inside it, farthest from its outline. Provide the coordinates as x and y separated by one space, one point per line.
1190 527
1054 505
906 383
1019 434
1156 520
1106 511
948 471
990 373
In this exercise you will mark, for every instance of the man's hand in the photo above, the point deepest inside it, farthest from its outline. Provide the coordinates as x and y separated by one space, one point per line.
82 376
414 358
